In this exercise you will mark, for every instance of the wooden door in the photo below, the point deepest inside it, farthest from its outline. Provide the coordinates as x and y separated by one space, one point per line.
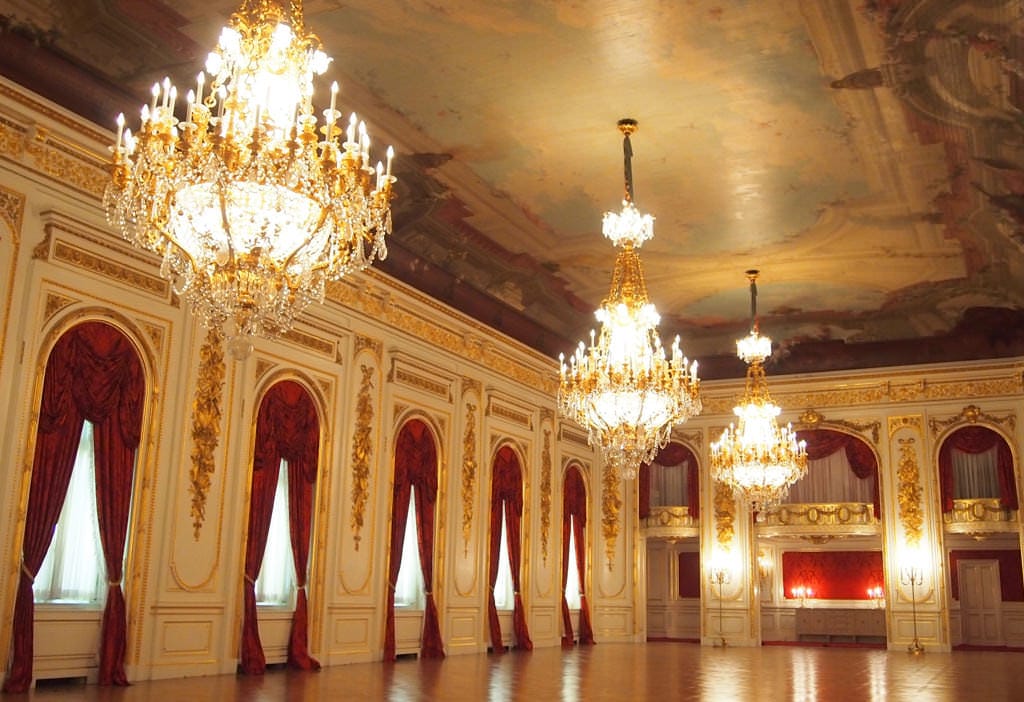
980 602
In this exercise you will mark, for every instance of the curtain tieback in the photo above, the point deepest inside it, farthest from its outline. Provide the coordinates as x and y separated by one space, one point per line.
251 581
28 573
114 583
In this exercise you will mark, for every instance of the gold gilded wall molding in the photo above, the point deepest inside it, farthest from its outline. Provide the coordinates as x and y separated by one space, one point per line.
501 407
725 513
322 346
12 209
419 376
908 491
362 452
55 303
469 466
471 385
366 343
206 420
909 421
545 494
156 335
80 127
972 414
811 419
87 260
53 156
263 366
611 506
566 433
547 415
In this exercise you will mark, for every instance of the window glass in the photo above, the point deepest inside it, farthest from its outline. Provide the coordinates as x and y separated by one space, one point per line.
409 590
504 592
572 579
73 571
275 585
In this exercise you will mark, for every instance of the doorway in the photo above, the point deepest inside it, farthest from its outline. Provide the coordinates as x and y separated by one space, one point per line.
981 620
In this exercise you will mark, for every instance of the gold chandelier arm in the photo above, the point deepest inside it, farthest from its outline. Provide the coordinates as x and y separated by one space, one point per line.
164 232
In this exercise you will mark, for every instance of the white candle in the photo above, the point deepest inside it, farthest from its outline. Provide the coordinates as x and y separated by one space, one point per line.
120 132
391 156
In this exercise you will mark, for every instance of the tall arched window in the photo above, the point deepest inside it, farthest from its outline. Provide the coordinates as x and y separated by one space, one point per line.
670 480
412 504
507 505
287 439
976 462
574 555
840 468
93 375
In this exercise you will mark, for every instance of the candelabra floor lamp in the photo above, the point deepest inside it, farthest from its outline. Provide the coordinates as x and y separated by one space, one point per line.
914 577
720 577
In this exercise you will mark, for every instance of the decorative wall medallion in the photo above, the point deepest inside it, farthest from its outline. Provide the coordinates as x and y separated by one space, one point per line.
469 464
376 346
545 494
725 513
910 421
206 419
611 505
362 452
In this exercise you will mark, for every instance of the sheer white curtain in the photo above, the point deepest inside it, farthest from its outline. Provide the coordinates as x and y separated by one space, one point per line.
831 480
275 584
669 484
73 570
409 590
975 475
572 576
504 592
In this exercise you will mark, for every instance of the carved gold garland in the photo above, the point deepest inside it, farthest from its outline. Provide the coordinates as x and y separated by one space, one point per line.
611 504
971 414
206 420
725 513
545 494
362 452
469 464
12 210
908 492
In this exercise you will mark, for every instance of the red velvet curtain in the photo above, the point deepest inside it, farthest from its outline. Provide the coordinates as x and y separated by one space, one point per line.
574 505
94 374
822 443
507 495
977 439
287 428
415 467
673 454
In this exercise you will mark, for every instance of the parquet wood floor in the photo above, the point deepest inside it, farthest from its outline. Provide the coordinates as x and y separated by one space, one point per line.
653 671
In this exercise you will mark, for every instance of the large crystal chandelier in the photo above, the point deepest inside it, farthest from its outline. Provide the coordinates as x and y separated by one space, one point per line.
252 206
758 458
623 389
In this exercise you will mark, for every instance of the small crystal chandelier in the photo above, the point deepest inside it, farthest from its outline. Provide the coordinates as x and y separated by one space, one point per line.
252 206
623 389
758 459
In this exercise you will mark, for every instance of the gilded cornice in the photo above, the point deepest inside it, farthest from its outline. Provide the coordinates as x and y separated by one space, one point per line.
611 505
53 156
901 387
373 299
972 414
206 419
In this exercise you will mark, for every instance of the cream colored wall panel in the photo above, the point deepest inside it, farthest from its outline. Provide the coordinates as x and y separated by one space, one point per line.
463 627
408 632
613 623
351 633
467 504
1013 623
544 624
61 631
275 629
187 636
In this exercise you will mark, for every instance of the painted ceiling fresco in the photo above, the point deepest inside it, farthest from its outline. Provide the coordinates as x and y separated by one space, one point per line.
867 157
